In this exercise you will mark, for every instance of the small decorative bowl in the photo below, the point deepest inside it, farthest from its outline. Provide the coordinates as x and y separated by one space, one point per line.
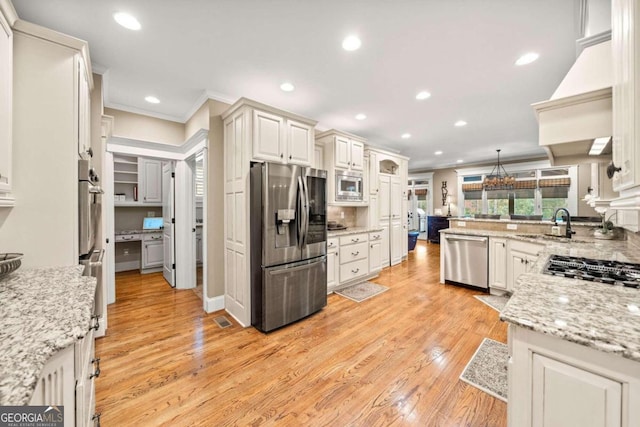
9 263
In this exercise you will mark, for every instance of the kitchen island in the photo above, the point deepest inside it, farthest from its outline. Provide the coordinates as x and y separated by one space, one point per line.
42 311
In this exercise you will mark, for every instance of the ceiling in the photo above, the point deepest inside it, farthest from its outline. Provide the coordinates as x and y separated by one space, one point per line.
461 51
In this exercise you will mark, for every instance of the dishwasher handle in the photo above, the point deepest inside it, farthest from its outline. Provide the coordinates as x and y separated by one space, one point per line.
453 238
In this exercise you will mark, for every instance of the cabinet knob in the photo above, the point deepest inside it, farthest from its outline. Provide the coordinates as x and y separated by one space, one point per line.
336 253
289 156
282 155
355 271
356 253
612 169
96 373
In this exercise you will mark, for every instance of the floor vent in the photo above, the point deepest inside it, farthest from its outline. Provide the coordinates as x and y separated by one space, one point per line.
222 322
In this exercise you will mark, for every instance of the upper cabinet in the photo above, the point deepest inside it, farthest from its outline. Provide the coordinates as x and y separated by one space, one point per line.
6 107
625 37
150 180
278 138
348 150
84 110
137 180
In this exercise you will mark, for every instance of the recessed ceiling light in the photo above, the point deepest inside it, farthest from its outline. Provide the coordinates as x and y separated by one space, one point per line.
127 21
598 146
361 116
405 136
423 95
152 99
527 58
459 161
437 153
460 123
351 43
287 87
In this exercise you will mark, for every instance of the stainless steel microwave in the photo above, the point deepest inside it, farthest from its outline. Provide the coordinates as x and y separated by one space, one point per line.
349 186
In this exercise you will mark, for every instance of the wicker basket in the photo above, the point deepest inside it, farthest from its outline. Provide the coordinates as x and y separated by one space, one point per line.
9 263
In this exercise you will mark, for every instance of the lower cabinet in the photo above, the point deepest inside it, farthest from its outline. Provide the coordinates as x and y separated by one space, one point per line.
521 256
152 251
375 251
354 257
498 263
67 379
333 266
553 382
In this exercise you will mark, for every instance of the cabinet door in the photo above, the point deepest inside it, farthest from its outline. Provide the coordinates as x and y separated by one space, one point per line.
373 173
84 110
374 211
318 157
396 241
268 137
395 196
150 174
384 203
357 155
374 256
498 263
385 247
300 145
342 151
564 395
152 254
199 247
6 104
332 272
516 266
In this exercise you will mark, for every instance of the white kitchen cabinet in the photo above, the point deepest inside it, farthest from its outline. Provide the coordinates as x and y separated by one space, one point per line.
152 251
521 256
333 264
252 131
374 187
278 139
395 197
497 263
385 248
395 235
318 157
553 382
150 180
384 195
349 153
84 111
404 211
354 257
6 107
375 251
374 209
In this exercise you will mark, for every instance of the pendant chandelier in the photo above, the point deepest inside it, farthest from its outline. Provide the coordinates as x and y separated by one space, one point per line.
498 179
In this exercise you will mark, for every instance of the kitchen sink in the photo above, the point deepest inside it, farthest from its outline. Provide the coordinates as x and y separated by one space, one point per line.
552 238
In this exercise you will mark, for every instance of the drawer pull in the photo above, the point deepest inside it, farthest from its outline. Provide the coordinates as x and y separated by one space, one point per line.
96 373
376 237
356 253
355 240
127 237
336 253
96 419
355 271
330 245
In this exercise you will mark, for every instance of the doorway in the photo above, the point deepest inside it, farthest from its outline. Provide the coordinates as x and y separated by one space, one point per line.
197 165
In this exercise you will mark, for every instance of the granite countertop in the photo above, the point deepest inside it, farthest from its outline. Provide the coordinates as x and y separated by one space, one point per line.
524 221
596 315
42 311
352 230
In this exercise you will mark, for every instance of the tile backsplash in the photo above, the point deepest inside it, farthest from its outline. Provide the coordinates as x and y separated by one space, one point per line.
350 215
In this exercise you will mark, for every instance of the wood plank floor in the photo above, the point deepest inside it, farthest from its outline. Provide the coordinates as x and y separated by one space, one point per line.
394 359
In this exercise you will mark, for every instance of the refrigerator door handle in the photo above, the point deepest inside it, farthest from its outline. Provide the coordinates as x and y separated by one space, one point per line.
300 210
306 210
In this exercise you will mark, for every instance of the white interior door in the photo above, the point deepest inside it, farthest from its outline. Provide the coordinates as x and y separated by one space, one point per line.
168 220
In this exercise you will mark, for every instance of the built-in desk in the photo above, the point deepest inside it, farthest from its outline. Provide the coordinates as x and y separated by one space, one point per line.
148 254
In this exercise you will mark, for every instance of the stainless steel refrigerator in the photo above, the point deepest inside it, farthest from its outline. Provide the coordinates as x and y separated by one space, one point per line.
288 243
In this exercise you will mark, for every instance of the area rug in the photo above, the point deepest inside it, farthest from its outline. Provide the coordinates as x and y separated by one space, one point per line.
494 301
362 291
487 369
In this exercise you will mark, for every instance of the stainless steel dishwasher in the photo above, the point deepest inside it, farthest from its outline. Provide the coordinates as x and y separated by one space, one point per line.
466 260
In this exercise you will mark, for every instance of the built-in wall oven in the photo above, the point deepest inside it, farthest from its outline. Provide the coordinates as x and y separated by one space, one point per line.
89 208
349 186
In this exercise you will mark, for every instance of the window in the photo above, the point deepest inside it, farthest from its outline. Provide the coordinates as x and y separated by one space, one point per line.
472 196
554 194
498 202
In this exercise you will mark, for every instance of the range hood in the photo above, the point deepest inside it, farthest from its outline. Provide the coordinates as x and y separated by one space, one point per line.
579 110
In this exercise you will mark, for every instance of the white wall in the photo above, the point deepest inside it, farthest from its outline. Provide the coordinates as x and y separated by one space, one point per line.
599 17
43 224
145 128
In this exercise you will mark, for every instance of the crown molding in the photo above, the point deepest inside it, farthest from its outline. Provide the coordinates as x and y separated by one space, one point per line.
141 111
9 12
585 42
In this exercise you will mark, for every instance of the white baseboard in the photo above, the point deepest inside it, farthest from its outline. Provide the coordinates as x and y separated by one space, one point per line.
214 304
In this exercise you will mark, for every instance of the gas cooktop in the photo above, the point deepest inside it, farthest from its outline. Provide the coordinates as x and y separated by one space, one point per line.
594 270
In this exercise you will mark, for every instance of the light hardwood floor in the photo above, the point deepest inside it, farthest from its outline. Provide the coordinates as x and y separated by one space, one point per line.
394 359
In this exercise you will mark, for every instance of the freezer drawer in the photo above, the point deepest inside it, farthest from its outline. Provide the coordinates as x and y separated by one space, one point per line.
466 260
290 292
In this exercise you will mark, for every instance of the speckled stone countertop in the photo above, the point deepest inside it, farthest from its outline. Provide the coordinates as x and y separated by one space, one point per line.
352 230
596 315
42 311
127 232
521 221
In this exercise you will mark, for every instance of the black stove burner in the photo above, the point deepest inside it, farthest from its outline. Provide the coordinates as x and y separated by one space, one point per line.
594 270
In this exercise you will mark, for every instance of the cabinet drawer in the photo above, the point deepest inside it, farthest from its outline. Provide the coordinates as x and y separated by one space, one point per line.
353 270
352 239
127 237
332 244
152 237
375 235
354 252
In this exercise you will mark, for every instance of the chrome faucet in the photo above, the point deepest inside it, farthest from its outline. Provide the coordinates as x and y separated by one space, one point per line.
568 231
